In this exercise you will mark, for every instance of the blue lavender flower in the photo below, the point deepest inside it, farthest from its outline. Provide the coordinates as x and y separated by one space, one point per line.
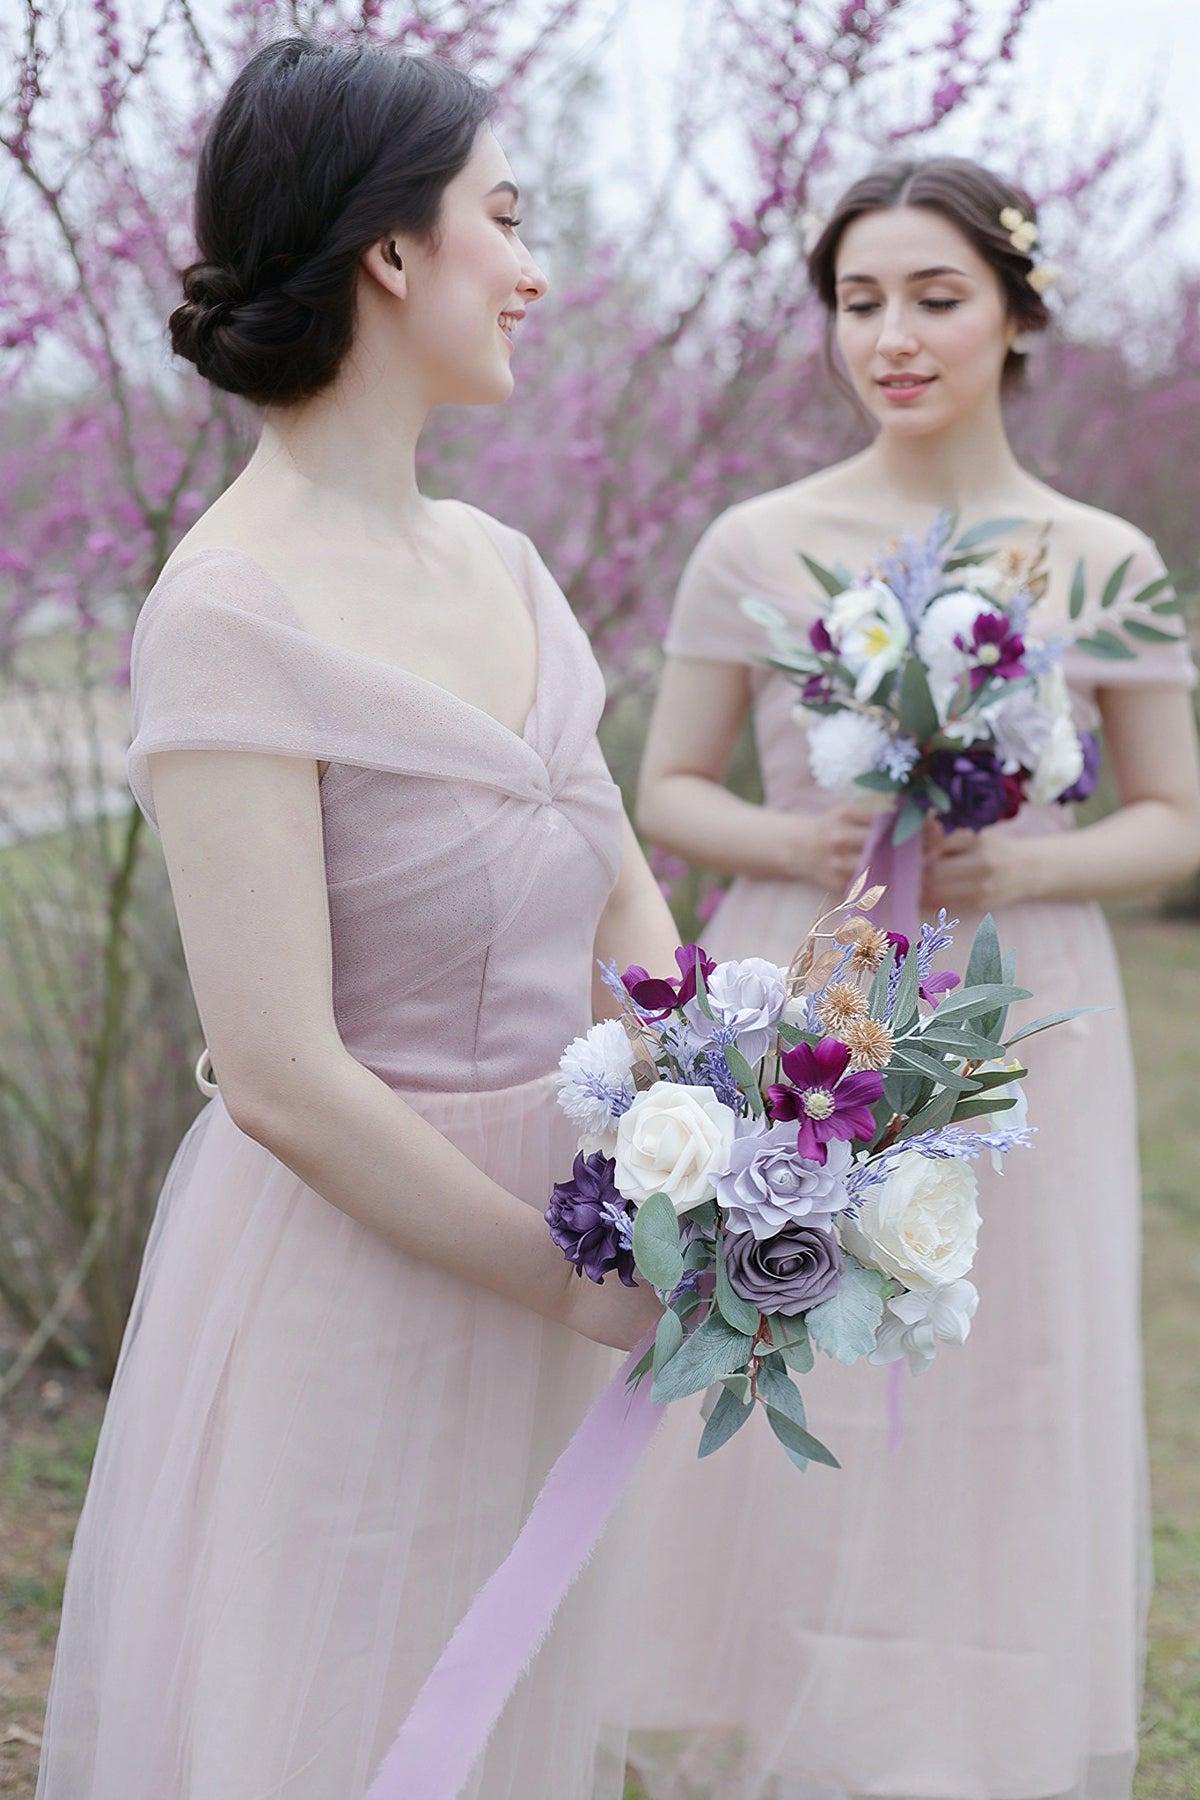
913 570
898 758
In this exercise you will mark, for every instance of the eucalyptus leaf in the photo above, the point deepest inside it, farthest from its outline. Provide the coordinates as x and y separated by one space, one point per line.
1148 634
656 1242
971 1046
789 1339
931 1117
738 1384
727 1416
704 1216
639 1368
761 612
1112 586
909 821
877 997
1173 605
713 1349
1153 589
904 1007
983 964
979 1106
844 1326
1049 1019
876 782
1105 644
987 532
968 1002
1078 589
744 1075
733 1309
667 1339
800 1444
825 578
917 713
935 1069
777 1390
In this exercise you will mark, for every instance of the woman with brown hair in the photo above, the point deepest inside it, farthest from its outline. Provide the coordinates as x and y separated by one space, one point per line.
960 1618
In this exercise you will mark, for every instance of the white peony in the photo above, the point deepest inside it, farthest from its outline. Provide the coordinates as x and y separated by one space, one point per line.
1060 762
843 746
870 633
595 1080
674 1140
949 617
922 1224
747 997
915 1323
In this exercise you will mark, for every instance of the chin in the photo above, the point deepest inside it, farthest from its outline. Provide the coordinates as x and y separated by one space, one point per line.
481 387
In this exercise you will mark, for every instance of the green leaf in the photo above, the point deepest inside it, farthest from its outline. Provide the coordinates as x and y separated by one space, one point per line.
1049 1019
935 1069
967 1002
909 821
938 795
1173 605
777 1390
1112 586
1149 634
1078 589
876 782
825 578
844 1326
904 1009
761 612
639 1368
713 1349
738 1385
656 1242
726 1417
792 1344
932 1116
968 1045
979 1106
704 1216
702 991
983 964
667 1339
800 1444
877 998
987 532
733 1309
1152 589
1105 644
917 713
744 1075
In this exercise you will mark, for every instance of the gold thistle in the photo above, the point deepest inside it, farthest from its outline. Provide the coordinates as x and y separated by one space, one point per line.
869 944
869 1042
840 1003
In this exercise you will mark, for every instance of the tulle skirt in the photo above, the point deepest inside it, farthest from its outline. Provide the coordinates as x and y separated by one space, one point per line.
314 1453
961 1619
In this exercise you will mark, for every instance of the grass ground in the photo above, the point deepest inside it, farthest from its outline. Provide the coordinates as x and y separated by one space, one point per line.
47 1432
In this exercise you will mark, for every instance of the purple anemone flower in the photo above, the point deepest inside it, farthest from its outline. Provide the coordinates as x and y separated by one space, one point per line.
994 647
590 1222
828 1102
657 996
819 637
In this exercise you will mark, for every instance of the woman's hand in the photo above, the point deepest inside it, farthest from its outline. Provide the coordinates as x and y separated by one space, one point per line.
830 845
976 871
610 1313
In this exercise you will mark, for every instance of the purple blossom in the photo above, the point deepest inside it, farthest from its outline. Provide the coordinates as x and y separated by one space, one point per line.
656 996
995 649
828 1102
913 570
977 788
1089 743
590 1222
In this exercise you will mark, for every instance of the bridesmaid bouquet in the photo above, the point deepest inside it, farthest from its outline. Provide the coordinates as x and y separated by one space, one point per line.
785 1156
925 682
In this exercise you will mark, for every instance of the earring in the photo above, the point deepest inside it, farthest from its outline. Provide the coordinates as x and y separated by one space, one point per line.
1024 342
393 255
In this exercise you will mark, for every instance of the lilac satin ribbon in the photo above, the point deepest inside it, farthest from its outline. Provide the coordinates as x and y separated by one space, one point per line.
899 866
498 1636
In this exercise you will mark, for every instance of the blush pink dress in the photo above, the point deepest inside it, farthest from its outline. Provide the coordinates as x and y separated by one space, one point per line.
316 1449
963 1619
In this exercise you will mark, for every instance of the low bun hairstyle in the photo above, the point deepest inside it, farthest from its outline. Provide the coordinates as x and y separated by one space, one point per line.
317 151
972 199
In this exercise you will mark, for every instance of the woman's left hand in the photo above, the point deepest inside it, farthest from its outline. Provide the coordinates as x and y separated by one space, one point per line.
975 872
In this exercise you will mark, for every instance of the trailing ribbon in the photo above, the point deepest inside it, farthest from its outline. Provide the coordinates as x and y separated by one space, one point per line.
900 867
500 1633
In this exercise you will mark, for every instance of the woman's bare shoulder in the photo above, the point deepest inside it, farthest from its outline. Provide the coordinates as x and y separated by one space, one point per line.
1083 530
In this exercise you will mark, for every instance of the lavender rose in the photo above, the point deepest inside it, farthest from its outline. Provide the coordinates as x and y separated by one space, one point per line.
787 1273
1089 744
769 1183
590 1222
746 998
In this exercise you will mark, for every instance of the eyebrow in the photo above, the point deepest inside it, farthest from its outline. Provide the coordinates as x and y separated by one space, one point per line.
917 275
504 187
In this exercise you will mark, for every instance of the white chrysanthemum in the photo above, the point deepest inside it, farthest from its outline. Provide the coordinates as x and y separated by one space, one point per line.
868 627
595 1082
843 746
950 617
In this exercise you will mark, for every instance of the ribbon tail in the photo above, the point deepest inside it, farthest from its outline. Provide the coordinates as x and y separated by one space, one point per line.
497 1638
899 867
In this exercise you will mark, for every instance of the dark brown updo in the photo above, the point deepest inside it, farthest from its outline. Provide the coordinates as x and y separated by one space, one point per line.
317 151
972 199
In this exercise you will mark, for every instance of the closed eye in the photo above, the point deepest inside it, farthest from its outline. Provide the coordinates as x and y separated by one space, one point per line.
866 306
509 221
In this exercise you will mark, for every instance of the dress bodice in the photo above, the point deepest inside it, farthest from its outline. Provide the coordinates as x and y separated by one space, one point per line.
466 864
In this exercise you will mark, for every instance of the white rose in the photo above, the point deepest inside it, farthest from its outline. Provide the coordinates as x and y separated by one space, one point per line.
870 632
674 1140
949 617
747 997
922 1224
842 746
915 1323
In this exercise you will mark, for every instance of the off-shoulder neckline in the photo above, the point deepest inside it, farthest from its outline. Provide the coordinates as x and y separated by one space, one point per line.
529 592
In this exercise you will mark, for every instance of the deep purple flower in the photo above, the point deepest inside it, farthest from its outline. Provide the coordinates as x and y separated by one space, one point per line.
658 996
817 689
1089 743
978 791
994 648
932 985
590 1222
828 1102
819 638
798 1267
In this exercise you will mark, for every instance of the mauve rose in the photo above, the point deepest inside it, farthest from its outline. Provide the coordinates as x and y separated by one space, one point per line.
975 785
582 1217
787 1273
1089 743
769 1183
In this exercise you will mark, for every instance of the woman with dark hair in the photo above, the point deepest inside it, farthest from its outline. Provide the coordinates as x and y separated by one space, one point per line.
364 728
962 1618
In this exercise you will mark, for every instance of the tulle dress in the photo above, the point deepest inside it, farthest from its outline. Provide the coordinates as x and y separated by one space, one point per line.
316 1449
962 1619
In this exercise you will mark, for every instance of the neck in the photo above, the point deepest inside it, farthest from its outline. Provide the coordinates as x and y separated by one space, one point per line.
347 459
969 465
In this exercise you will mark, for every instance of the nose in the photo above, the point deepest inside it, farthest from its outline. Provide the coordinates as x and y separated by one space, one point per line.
896 335
533 283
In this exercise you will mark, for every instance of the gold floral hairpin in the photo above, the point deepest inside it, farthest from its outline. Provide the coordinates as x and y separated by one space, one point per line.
1023 236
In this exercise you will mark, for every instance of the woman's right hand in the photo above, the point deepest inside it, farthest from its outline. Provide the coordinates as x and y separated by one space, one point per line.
610 1313
827 847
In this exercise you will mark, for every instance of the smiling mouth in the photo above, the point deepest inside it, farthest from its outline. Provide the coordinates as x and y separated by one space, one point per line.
905 381
508 322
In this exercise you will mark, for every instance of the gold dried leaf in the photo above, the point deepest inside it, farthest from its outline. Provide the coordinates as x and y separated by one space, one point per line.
822 969
872 897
